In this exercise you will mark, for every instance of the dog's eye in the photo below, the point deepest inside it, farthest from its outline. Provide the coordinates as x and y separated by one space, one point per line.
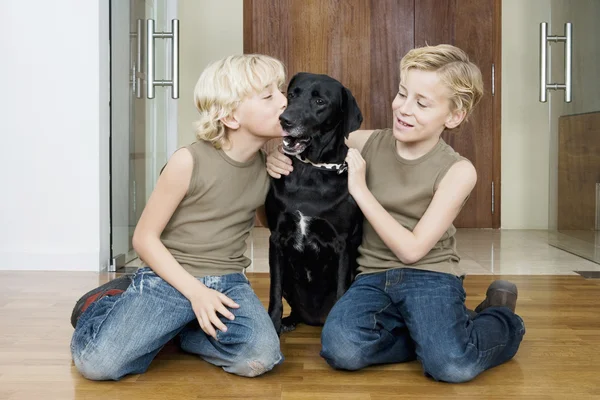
290 95
320 102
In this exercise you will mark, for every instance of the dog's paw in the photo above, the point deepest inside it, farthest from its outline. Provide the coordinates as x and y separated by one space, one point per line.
287 328
288 324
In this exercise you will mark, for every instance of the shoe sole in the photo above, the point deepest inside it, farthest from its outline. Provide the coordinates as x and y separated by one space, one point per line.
118 284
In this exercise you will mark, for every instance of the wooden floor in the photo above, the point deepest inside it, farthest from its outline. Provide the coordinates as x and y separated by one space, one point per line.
558 359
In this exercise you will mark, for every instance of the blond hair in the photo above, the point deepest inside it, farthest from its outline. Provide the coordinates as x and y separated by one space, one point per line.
224 84
454 69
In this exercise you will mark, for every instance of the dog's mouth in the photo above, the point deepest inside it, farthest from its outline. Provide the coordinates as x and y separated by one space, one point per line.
295 145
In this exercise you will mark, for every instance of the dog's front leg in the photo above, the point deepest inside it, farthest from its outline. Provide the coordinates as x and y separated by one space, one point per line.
276 288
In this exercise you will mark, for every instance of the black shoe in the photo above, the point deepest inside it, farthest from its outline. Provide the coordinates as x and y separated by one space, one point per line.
500 293
111 288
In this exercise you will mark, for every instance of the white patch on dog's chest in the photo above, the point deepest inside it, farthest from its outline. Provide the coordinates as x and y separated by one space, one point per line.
301 231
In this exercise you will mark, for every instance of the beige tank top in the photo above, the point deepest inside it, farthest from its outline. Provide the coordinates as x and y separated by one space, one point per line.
207 232
405 189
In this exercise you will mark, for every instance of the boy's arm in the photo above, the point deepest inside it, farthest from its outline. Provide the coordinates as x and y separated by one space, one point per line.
447 202
357 139
170 189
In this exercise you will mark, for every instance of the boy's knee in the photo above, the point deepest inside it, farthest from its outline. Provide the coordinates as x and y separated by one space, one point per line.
454 373
257 356
256 359
251 367
451 370
97 369
338 348
346 359
98 362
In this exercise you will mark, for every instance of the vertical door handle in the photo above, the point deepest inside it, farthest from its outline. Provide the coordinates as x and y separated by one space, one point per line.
136 68
174 36
544 41
138 61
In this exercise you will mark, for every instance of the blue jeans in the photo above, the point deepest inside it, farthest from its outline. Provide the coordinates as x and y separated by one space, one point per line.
405 314
120 335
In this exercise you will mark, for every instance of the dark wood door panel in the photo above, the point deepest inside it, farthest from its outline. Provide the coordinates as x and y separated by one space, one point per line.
468 24
578 171
361 43
392 36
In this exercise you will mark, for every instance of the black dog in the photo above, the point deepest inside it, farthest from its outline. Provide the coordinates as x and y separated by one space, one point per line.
315 224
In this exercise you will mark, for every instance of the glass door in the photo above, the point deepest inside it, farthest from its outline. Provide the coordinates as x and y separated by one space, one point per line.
142 40
572 59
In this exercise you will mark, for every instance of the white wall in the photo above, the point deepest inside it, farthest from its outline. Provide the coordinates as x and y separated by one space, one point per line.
54 131
525 121
209 30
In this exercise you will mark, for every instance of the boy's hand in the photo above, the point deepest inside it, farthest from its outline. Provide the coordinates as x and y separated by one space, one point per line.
278 163
357 168
206 303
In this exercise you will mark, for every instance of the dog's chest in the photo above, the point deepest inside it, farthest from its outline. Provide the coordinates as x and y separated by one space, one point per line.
301 232
319 187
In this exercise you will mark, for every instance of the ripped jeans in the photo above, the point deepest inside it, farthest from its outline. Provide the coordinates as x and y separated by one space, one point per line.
120 335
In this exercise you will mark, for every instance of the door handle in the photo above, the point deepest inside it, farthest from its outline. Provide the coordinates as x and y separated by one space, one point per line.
138 62
544 41
174 36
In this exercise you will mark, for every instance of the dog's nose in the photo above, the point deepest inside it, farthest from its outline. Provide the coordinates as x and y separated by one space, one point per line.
285 122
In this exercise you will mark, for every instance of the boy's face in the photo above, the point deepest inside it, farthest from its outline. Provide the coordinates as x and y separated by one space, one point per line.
259 113
421 108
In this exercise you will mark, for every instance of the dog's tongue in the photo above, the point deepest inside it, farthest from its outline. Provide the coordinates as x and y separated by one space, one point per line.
284 133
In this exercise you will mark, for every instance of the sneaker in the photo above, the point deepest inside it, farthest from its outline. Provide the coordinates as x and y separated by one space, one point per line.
111 288
500 293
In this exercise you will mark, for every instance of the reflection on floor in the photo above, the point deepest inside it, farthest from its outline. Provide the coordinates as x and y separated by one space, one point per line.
482 251
585 244
486 252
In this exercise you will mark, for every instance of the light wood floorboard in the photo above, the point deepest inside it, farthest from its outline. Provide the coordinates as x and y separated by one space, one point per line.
558 359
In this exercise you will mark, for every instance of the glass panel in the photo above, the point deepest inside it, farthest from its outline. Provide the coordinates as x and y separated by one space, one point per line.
144 131
575 131
123 125
138 124
157 108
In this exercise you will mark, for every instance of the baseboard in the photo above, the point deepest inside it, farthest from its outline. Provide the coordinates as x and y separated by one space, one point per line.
39 261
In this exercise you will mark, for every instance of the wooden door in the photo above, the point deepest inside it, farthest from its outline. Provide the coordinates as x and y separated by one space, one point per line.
470 25
579 174
361 42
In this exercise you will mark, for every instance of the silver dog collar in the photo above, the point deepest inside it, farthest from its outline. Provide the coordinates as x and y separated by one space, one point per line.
340 168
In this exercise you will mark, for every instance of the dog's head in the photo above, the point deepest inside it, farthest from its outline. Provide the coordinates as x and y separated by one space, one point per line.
321 112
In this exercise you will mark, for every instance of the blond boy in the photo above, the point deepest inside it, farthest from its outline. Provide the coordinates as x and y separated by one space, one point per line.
408 300
191 236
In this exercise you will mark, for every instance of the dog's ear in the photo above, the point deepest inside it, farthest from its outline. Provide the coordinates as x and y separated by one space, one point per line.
352 115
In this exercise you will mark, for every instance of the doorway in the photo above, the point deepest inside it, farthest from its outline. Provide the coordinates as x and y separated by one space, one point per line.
143 133
572 59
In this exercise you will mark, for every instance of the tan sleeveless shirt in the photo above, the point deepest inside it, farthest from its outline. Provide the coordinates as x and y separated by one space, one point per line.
207 232
405 189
